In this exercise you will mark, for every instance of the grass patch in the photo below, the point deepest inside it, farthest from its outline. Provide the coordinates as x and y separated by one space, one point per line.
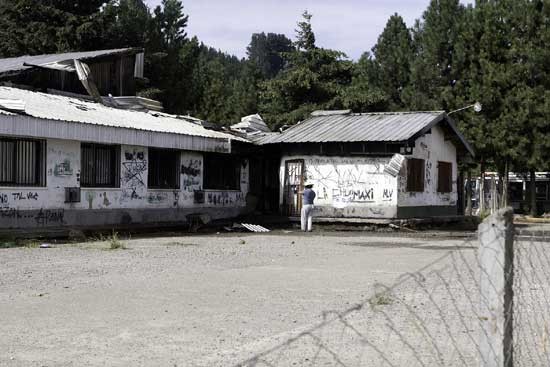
381 299
17 243
114 242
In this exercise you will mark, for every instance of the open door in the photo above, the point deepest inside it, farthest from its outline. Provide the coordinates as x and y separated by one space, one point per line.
293 184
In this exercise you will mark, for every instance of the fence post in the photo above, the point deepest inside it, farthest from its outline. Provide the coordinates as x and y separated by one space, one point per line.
496 237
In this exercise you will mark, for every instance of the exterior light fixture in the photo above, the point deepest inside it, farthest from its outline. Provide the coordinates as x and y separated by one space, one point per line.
477 107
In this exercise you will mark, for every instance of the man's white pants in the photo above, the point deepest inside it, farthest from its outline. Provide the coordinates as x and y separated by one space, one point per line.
307 217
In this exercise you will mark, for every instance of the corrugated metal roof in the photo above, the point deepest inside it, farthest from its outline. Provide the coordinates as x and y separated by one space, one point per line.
387 126
61 108
15 64
261 138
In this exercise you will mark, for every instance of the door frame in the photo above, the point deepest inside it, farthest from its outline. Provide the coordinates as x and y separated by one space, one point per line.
292 200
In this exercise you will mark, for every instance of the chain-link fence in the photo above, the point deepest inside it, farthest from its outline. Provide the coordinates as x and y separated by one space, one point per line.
531 302
456 311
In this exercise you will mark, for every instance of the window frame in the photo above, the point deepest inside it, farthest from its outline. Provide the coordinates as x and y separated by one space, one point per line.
152 159
114 162
444 183
416 180
39 161
223 164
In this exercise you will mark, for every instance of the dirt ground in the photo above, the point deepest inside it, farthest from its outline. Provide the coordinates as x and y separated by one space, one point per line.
202 300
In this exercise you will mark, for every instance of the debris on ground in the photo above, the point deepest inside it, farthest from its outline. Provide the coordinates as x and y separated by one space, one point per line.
254 227
245 227
45 245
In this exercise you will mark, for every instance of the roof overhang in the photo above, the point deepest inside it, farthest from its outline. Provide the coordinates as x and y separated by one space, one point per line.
29 126
445 120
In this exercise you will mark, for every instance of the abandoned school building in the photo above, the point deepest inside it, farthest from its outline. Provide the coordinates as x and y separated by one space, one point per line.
79 149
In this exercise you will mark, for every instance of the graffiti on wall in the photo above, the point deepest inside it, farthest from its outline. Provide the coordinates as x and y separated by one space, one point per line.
63 169
42 218
133 176
191 171
49 216
224 198
345 181
387 194
157 197
18 196
429 166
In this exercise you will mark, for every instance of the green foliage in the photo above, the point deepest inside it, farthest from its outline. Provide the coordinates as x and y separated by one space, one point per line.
37 27
114 242
393 54
266 52
316 78
305 38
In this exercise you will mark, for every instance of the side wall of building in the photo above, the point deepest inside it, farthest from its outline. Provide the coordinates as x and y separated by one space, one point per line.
131 203
350 187
432 148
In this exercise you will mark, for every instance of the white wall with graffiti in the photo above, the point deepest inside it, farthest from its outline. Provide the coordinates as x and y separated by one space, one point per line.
369 187
349 186
63 168
433 148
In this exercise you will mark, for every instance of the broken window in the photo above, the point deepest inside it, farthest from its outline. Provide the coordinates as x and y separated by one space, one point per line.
22 162
100 165
222 172
164 169
444 177
415 175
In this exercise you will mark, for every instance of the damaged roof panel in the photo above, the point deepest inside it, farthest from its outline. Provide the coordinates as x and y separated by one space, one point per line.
17 64
89 115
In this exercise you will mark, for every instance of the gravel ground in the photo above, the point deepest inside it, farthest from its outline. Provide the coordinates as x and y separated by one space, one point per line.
216 300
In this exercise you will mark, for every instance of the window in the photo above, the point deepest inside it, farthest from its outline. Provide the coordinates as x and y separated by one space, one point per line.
164 169
415 175
22 162
444 177
222 172
100 165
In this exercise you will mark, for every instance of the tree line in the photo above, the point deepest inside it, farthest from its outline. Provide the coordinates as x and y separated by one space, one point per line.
494 52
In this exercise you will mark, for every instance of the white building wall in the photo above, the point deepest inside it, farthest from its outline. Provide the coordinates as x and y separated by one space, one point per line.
63 170
432 148
349 186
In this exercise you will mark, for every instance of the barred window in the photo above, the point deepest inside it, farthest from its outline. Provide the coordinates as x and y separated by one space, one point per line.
100 165
415 174
222 172
164 169
22 162
444 177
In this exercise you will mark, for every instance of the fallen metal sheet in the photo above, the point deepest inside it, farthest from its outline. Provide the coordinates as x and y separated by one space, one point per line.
255 228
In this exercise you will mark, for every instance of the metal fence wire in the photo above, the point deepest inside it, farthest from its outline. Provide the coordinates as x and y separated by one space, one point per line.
457 311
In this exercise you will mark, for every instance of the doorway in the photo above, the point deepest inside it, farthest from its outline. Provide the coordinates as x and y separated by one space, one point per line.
293 184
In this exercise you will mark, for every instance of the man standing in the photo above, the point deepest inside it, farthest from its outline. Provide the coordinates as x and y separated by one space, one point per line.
307 207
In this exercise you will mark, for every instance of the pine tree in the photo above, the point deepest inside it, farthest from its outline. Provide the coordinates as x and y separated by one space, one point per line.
266 51
393 54
305 38
434 71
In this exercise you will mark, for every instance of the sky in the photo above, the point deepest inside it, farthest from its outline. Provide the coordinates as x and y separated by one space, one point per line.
351 26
